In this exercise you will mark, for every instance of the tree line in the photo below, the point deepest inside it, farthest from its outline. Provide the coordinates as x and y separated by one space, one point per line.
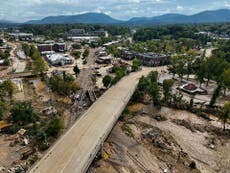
39 64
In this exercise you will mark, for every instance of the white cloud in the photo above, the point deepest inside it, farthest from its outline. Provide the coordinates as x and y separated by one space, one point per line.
179 8
22 10
227 4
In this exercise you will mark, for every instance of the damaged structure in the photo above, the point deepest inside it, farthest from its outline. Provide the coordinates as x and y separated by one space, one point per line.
59 59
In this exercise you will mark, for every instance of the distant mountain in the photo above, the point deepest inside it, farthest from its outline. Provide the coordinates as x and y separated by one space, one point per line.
217 16
5 22
212 16
166 18
87 18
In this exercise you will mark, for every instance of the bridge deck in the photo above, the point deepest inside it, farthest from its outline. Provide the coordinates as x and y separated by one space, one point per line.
76 149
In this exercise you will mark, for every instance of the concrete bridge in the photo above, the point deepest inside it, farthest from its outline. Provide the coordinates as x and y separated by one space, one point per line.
76 149
19 75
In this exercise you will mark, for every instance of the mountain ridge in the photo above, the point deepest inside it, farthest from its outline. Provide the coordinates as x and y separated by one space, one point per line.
86 18
215 16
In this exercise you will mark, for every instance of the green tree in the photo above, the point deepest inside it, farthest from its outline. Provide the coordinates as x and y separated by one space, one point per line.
85 53
142 89
107 80
167 88
54 127
76 70
63 85
7 62
120 73
7 88
76 46
39 66
76 54
210 64
154 92
177 99
26 49
33 51
68 77
226 79
136 65
2 109
113 50
84 61
23 112
7 54
200 70
189 60
215 95
180 67
220 66
225 115
153 76
1 42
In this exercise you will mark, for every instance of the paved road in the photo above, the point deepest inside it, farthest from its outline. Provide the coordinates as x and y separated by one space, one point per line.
76 149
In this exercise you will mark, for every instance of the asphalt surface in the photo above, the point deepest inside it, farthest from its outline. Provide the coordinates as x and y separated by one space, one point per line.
76 149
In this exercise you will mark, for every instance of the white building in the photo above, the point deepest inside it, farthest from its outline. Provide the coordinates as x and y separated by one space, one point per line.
59 59
22 36
87 39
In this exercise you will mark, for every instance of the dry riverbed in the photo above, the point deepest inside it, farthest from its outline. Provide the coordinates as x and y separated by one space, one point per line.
150 140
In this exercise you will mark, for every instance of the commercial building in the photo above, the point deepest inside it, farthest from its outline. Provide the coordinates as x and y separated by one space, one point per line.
83 32
76 32
22 36
101 52
154 59
59 59
87 39
47 48
79 35
147 59
104 59
111 43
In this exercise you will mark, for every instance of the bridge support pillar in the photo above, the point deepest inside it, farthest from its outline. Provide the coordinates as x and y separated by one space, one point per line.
102 150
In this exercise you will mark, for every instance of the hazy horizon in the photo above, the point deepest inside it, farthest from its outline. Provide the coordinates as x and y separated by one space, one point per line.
37 9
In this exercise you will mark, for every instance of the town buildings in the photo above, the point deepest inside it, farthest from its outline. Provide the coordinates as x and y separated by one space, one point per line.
59 59
47 48
79 35
83 32
147 59
104 59
20 36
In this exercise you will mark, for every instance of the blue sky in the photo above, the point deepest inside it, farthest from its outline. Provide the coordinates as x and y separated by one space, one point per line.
23 10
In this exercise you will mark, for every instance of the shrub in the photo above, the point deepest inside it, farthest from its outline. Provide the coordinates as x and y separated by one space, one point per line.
23 112
54 127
